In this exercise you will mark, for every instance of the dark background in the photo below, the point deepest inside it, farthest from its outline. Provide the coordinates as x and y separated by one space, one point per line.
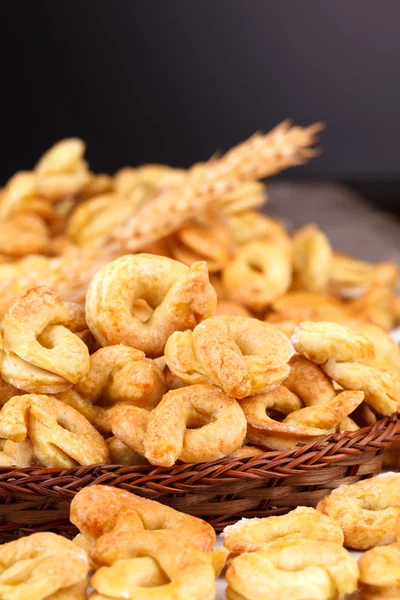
174 80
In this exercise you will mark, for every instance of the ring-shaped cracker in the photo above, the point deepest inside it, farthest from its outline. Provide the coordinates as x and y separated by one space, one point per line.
368 511
105 514
186 571
197 423
43 566
300 425
259 272
180 297
41 353
293 569
248 535
117 374
60 435
243 356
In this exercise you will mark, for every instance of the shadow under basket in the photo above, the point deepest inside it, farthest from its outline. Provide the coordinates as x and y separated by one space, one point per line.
37 499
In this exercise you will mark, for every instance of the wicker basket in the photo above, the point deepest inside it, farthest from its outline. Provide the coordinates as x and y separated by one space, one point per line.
36 499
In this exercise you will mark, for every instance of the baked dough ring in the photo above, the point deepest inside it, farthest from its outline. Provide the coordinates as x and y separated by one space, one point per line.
380 573
312 259
105 515
65 156
367 511
92 221
243 356
18 454
300 425
322 341
166 434
298 306
248 535
308 381
350 274
180 296
7 390
186 571
146 569
210 241
376 306
293 569
43 566
387 351
60 435
41 353
259 272
22 234
251 225
117 374
121 454
122 374
348 358
381 388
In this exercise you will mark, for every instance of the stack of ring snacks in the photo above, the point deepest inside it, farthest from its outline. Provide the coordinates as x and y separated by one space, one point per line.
153 321
100 384
133 548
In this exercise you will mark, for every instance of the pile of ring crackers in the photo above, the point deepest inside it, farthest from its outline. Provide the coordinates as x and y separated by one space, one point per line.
132 548
155 316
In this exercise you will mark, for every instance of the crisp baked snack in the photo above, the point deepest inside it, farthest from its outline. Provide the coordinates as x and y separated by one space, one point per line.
348 358
243 356
350 275
18 454
297 306
60 435
64 228
43 566
117 374
227 307
293 569
248 535
138 545
107 517
259 272
251 225
380 571
367 510
184 570
323 341
312 259
121 454
181 298
198 423
41 353
23 234
299 425
308 381
208 239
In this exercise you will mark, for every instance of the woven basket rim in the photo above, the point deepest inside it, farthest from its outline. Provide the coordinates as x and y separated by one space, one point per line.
332 448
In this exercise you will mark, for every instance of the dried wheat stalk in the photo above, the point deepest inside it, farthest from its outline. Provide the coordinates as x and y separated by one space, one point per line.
258 157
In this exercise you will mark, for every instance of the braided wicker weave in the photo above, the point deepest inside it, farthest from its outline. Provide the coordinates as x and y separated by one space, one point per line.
36 499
